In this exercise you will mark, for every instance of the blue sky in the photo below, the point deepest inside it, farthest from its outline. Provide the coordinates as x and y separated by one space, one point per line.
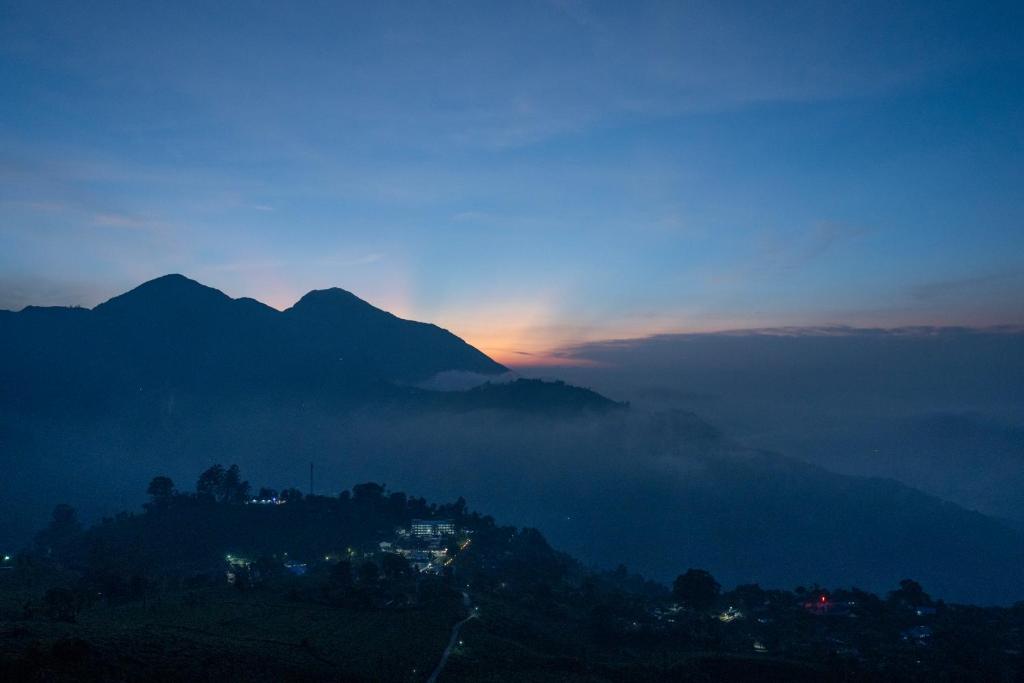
529 174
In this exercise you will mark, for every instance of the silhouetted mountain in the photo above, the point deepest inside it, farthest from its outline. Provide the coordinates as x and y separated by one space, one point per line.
174 334
336 327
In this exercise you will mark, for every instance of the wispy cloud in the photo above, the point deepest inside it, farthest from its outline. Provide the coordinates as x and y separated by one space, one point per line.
793 250
777 253
944 290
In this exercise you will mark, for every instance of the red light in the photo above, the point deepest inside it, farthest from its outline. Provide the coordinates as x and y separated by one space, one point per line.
823 599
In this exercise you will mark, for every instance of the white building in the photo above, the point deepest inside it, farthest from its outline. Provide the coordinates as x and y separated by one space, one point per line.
427 528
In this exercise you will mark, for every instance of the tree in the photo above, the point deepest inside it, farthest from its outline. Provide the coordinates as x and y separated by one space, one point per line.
231 488
456 509
910 593
222 485
697 588
750 594
161 490
370 492
291 494
210 482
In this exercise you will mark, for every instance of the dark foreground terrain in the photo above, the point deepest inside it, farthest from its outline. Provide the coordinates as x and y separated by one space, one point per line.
227 585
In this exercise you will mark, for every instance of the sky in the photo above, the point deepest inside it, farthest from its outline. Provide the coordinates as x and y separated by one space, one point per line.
530 175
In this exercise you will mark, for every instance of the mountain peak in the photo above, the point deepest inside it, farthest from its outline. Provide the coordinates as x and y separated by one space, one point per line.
173 291
183 326
334 299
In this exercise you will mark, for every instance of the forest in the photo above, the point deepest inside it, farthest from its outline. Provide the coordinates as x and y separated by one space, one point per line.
230 582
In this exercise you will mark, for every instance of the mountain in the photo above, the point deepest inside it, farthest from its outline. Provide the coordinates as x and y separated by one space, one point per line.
174 334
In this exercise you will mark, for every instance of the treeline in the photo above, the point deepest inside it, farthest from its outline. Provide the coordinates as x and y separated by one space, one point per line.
186 538
184 543
182 532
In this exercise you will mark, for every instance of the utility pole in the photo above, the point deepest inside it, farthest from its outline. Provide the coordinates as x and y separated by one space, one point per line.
310 478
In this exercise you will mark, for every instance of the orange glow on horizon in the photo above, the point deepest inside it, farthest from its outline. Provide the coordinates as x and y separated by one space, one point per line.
535 330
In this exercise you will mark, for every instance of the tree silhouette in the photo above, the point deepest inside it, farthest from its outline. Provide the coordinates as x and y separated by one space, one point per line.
161 490
232 489
291 494
223 486
370 493
910 593
210 482
697 588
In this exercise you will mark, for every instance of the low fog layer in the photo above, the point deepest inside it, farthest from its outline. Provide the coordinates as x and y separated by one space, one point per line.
659 492
939 409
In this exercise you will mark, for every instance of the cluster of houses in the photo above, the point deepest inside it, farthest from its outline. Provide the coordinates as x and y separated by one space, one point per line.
271 500
425 543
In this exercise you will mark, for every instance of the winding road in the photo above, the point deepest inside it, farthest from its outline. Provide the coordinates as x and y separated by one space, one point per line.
453 640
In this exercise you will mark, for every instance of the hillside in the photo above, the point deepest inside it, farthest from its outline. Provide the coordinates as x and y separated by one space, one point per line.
236 584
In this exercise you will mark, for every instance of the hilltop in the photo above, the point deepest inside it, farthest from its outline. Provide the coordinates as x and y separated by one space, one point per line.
373 584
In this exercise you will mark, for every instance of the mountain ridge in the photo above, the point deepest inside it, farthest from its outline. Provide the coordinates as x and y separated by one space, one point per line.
172 327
